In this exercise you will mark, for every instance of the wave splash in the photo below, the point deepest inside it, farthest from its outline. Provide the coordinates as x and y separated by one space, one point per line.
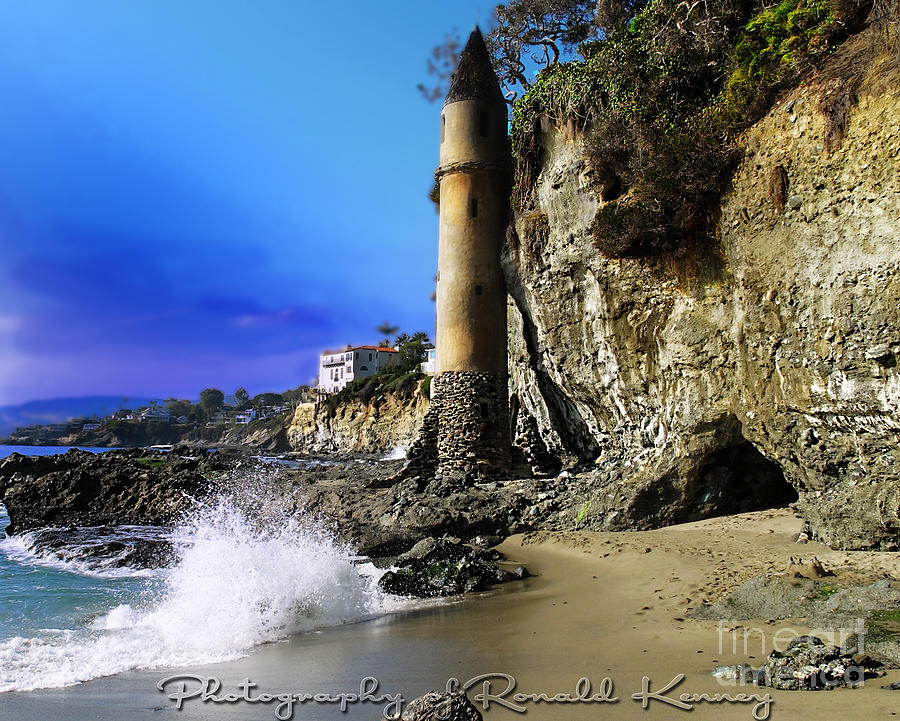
397 453
98 552
237 582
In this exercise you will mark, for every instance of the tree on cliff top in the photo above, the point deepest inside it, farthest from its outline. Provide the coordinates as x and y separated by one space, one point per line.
386 329
267 399
528 36
242 399
179 407
411 350
211 399
663 91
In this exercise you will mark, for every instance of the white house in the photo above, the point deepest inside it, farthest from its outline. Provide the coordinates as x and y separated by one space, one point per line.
338 368
430 363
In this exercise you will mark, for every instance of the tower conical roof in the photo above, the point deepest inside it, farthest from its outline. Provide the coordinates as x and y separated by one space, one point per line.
474 77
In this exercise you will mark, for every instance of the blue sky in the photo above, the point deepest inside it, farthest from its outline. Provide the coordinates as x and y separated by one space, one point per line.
201 194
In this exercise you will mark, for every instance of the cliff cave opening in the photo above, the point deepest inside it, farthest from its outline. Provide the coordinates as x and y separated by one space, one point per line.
737 479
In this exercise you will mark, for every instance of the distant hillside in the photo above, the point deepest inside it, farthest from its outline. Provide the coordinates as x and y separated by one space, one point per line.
58 410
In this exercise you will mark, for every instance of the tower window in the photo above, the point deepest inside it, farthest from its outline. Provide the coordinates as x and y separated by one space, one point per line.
484 123
478 290
485 411
443 127
473 208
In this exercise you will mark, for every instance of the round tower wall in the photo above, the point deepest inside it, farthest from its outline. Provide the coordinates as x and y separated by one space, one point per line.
473 131
471 291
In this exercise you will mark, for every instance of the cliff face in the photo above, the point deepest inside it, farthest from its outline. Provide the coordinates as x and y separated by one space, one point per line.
386 421
773 350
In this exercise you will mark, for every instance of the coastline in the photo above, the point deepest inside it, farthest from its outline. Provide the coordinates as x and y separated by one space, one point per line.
600 605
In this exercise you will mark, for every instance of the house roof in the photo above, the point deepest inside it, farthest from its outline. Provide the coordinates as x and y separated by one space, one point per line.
474 77
359 347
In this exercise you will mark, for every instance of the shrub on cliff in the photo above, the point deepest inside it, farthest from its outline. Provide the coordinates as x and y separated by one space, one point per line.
397 381
663 99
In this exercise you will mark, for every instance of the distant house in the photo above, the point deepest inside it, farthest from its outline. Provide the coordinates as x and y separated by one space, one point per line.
338 368
90 426
181 419
244 417
155 413
430 363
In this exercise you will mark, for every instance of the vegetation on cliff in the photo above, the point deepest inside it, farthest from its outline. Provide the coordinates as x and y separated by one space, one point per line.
663 100
662 90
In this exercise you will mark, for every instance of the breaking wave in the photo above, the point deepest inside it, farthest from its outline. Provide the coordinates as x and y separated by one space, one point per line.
236 582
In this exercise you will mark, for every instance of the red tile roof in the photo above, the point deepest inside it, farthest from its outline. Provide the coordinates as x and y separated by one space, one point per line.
359 347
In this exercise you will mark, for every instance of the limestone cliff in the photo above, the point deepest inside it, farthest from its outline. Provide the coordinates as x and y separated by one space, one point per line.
358 426
781 339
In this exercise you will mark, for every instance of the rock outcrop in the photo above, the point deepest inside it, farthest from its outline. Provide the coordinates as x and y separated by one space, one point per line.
445 567
778 342
385 422
807 664
78 488
434 706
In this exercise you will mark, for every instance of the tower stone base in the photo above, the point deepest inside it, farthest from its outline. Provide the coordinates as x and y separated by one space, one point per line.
465 434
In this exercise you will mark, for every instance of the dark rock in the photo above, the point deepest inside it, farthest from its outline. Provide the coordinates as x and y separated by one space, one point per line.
435 706
806 664
444 568
104 548
131 486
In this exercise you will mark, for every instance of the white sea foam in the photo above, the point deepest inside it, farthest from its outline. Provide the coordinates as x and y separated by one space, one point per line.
23 548
397 453
237 583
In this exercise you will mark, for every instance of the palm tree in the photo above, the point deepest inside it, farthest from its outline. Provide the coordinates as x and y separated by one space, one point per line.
387 330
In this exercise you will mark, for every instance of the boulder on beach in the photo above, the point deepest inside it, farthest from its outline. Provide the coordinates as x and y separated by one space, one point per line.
446 567
435 706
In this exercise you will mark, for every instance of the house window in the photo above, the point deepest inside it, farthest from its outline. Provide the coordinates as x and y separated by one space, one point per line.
484 123
370 356
473 207
364 368
357 355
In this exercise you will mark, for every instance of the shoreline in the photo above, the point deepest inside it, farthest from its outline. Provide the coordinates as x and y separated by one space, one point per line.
601 605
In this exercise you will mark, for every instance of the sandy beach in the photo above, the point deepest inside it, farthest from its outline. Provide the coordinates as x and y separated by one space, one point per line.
601 605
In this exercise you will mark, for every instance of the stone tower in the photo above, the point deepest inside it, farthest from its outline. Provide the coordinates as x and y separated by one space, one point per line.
469 396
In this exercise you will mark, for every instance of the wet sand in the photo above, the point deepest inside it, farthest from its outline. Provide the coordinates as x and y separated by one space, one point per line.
601 605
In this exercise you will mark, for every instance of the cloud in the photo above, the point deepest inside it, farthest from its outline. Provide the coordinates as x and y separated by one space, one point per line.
301 317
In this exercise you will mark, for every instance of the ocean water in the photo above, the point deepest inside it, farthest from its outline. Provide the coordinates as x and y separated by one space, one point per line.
237 579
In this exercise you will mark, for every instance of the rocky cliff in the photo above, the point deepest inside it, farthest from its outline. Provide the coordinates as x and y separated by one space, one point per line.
712 371
355 425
